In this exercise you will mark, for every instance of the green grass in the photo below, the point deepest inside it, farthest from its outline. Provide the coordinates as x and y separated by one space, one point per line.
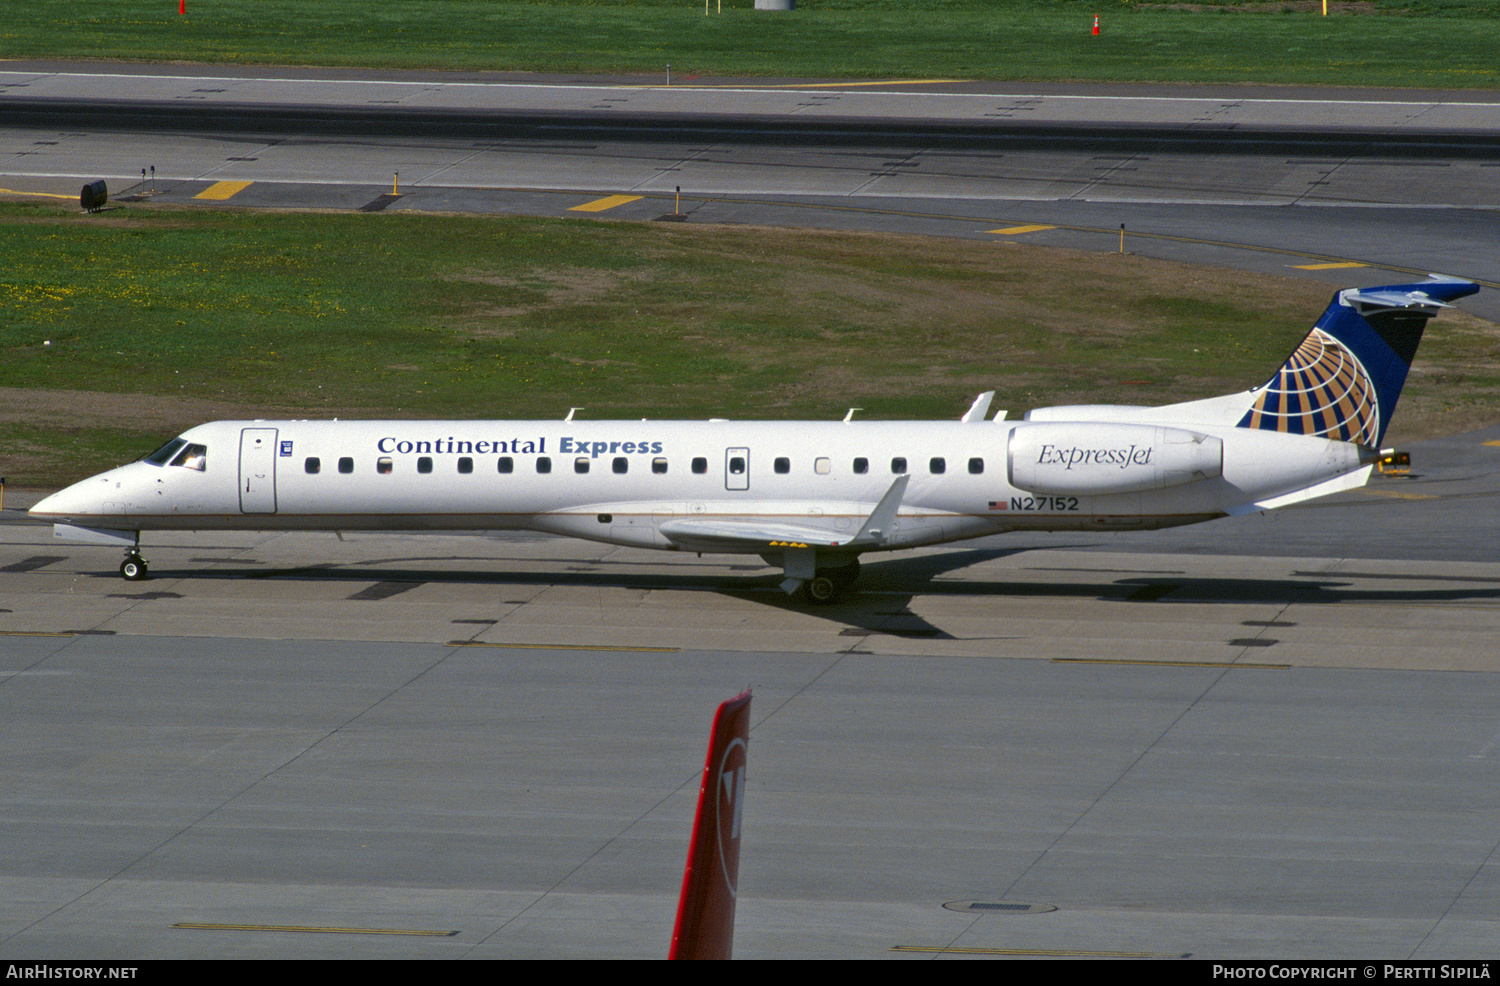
411 315
1226 41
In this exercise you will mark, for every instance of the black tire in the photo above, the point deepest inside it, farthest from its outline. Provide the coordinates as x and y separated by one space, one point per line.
844 575
133 569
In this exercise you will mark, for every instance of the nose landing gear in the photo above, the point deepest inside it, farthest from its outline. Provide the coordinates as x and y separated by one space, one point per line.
133 568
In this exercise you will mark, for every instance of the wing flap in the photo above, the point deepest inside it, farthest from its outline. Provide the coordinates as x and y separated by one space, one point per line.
751 537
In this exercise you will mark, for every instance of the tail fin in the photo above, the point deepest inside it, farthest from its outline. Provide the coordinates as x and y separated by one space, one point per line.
705 913
1343 381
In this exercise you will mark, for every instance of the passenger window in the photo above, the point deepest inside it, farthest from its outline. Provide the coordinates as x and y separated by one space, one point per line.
543 464
383 465
507 464
898 465
822 466
736 465
937 466
424 464
313 465
659 466
621 464
700 466
580 465
976 466
346 465
861 466
782 465
465 465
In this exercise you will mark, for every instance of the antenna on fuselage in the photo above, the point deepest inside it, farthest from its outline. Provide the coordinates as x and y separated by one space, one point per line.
850 416
572 411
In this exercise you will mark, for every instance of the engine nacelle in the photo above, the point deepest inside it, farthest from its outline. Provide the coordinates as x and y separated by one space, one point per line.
1079 459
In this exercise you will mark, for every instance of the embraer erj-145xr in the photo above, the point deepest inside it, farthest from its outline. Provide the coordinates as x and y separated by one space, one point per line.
807 496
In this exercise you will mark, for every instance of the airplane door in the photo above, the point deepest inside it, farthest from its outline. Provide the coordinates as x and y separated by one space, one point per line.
258 470
737 469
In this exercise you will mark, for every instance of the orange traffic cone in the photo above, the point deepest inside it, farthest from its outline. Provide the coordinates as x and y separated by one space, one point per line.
1096 25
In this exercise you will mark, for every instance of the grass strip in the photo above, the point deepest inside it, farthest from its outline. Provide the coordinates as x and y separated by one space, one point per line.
117 330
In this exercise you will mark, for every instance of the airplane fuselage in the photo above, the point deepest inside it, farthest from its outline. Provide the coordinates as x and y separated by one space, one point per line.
623 482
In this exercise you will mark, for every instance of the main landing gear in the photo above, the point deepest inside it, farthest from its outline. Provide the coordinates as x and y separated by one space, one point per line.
829 584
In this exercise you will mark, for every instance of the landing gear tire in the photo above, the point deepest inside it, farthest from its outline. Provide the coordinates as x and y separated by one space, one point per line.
830 584
133 568
822 590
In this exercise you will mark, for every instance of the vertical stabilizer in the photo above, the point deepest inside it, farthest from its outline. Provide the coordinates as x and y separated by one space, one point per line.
1344 379
705 912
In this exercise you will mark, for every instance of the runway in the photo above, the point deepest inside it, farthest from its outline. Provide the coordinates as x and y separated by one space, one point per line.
1273 737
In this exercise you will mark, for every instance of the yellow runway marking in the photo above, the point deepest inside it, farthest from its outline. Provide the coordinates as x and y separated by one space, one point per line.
196 926
1329 266
1013 230
1401 496
221 190
608 202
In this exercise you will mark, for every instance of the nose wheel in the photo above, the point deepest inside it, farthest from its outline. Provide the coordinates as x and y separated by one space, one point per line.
133 568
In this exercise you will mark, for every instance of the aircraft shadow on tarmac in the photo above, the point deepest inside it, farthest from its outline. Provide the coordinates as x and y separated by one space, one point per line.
881 601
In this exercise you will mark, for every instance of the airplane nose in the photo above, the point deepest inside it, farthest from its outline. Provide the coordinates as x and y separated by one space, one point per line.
81 500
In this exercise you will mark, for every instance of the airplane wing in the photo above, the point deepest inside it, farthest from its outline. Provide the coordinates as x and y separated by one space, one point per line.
754 537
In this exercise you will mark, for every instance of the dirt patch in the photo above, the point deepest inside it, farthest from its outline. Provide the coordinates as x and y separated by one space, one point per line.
82 409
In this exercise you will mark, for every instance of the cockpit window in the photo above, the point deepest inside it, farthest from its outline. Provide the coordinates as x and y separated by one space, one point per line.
180 452
192 457
164 454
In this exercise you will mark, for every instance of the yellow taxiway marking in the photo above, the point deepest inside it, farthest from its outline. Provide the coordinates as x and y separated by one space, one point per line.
196 926
221 190
1339 266
1014 230
42 195
608 202
37 633
609 647
1497 442
1401 496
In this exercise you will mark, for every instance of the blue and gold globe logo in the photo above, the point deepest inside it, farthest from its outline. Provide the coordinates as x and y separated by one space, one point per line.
1324 391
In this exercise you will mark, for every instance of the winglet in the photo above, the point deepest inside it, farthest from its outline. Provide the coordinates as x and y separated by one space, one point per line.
705 912
877 526
979 408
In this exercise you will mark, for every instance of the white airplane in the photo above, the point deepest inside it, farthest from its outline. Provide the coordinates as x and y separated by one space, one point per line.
807 496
